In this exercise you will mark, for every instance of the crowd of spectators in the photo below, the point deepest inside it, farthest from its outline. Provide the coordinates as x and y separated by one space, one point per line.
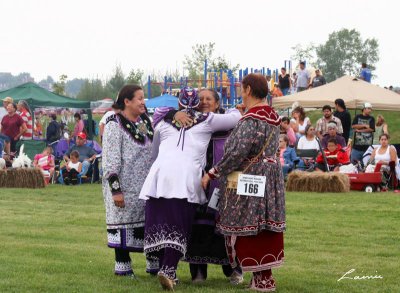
17 124
336 139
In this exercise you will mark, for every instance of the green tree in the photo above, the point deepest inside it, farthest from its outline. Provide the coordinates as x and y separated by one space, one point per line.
344 52
135 77
59 86
304 53
93 90
201 52
73 87
117 81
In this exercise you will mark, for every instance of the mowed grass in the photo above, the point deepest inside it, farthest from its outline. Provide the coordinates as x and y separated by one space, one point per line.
54 240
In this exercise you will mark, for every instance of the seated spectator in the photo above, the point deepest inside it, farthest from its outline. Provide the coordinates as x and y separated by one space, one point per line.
335 157
332 133
287 155
45 161
328 117
299 121
385 155
287 130
87 155
308 142
72 170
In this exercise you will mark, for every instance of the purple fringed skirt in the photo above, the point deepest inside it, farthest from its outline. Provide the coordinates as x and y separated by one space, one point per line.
168 224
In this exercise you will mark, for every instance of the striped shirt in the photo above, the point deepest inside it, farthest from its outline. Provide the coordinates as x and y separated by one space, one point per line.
26 116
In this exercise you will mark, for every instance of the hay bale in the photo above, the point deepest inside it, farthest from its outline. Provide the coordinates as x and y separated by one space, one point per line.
22 178
318 182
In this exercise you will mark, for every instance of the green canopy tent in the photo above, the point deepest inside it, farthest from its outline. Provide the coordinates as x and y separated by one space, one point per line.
37 97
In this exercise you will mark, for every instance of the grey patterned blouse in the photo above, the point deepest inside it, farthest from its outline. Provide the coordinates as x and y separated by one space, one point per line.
126 160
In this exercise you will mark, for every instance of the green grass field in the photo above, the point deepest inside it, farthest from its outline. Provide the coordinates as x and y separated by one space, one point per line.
54 240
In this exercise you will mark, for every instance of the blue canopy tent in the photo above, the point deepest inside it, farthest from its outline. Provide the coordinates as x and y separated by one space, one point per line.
163 101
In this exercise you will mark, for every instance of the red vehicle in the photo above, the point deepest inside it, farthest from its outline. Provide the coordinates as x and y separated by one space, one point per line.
368 182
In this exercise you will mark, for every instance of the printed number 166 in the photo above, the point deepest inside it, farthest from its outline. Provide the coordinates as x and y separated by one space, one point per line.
251 188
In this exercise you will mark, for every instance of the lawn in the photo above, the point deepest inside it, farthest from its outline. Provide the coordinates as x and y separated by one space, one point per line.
54 240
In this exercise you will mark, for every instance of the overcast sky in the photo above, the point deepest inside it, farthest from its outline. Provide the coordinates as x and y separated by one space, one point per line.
87 38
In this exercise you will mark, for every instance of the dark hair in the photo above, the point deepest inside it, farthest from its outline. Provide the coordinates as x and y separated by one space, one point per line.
77 115
307 128
215 95
332 139
53 116
326 107
302 63
284 119
340 103
127 92
363 65
49 148
283 68
384 134
14 106
300 110
258 85
213 92
74 154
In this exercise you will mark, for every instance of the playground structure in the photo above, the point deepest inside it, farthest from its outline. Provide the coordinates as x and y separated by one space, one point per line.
225 82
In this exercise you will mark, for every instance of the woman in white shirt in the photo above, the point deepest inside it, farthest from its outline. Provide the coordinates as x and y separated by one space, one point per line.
385 154
299 121
307 142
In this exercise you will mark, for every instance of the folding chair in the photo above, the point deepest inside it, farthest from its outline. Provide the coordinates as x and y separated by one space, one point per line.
306 154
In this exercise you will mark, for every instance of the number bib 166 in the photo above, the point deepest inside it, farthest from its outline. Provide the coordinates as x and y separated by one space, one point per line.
251 185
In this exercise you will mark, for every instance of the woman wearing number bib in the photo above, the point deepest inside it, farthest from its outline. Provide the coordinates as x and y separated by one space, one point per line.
253 223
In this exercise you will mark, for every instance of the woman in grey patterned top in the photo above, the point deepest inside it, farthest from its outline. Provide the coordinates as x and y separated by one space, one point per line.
127 142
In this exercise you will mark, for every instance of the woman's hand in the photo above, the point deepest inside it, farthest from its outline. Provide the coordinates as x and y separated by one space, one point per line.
119 200
241 108
183 119
205 181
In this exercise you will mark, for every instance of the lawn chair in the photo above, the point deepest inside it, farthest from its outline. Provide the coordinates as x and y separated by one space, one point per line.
307 154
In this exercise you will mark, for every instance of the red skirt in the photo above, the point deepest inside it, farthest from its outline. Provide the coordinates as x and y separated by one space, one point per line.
256 253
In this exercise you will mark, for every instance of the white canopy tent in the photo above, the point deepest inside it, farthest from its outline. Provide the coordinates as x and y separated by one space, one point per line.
353 91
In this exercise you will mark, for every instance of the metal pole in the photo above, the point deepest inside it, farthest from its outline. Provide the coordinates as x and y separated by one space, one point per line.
205 74
149 87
